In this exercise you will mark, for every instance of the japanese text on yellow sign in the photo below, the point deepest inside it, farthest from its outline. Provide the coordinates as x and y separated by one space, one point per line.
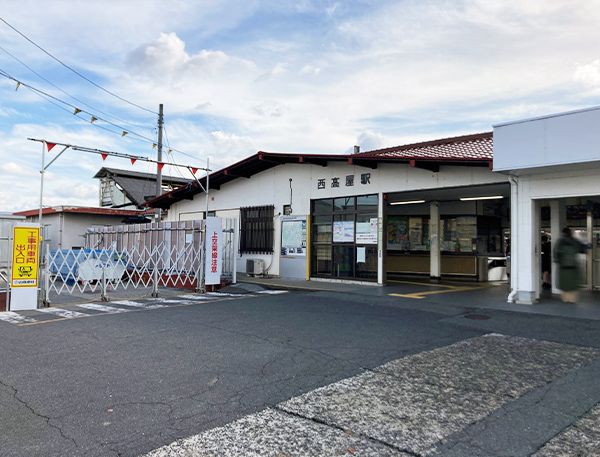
25 257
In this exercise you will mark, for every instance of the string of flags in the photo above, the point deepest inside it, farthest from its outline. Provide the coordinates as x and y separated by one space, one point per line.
106 154
77 110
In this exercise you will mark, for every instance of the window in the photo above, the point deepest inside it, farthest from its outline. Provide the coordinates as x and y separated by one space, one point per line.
344 237
256 229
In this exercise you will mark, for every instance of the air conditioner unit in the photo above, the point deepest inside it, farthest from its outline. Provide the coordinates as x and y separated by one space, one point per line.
255 267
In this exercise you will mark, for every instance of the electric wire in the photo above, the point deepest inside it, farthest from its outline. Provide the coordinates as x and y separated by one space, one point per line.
49 96
63 91
76 72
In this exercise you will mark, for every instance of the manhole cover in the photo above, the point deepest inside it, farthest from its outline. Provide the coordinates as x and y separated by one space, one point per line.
478 317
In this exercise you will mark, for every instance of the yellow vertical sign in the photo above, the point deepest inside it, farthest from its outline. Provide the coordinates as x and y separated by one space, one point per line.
25 257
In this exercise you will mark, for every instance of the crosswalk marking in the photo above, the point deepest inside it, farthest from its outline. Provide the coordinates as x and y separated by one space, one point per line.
61 312
14 318
196 297
103 308
137 304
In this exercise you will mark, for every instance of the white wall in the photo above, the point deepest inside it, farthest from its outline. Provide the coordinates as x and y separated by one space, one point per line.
559 139
66 230
550 158
272 187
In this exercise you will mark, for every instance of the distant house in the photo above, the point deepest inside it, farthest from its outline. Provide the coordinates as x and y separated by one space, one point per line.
130 189
65 226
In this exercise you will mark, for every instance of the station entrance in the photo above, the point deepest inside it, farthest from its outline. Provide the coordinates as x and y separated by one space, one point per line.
582 216
468 224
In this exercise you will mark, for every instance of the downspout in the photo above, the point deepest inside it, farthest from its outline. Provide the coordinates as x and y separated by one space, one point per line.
514 190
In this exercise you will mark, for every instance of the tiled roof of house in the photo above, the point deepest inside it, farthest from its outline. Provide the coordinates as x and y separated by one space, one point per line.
467 150
83 210
478 146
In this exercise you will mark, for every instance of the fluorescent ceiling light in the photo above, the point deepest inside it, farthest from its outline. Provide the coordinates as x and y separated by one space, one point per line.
407 203
493 197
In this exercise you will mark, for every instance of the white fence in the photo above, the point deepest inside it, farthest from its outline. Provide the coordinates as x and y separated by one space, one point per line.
167 254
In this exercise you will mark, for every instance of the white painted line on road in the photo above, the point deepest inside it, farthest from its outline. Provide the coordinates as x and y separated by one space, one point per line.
272 292
14 318
103 308
195 297
165 300
135 304
67 313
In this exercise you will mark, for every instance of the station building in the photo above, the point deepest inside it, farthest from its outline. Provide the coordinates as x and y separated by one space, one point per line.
448 208
434 208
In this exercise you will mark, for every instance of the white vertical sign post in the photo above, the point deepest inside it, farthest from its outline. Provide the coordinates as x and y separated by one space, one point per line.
214 251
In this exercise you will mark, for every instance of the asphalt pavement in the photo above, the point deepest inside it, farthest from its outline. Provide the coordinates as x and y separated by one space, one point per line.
303 369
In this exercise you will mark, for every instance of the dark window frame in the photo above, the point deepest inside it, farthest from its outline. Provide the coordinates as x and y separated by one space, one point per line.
257 229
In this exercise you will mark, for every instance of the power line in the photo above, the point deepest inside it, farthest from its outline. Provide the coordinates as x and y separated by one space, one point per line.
50 97
56 87
76 72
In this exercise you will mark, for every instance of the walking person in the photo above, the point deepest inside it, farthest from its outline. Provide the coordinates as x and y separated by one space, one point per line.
569 274
546 262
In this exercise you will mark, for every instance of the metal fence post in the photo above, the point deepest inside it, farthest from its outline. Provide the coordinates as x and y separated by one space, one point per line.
103 296
46 273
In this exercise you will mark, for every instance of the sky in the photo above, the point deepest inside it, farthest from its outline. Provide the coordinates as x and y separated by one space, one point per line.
240 76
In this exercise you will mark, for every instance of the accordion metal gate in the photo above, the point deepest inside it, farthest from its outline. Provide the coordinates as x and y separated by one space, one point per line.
137 256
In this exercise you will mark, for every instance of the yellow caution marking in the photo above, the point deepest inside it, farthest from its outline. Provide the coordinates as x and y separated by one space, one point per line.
424 294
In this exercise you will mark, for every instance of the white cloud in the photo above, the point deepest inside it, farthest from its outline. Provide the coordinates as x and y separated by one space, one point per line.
277 70
271 108
16 170
369 141
588 74
166 57
309 70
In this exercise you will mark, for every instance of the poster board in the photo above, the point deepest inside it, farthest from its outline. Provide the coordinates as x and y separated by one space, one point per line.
293 236
397 233
366 232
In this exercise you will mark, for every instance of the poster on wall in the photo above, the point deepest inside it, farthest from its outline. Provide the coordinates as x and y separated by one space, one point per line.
397 233
415 230
366 232
343 232
293 236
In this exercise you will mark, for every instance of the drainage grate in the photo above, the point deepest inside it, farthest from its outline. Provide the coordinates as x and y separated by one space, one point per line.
478 317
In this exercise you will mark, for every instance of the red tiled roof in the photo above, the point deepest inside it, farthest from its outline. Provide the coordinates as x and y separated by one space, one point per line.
478 146
83 210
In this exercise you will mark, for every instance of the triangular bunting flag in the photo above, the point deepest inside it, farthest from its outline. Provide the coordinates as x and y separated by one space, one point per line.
194 170
77 110
18 84
104 156
133 161
50 146
160 165
170 150
153 145
94 118
124 133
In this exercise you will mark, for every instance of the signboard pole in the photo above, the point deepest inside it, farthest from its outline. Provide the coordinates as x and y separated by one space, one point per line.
214 250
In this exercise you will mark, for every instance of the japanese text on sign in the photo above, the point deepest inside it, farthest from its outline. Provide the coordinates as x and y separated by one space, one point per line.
25 257
214 252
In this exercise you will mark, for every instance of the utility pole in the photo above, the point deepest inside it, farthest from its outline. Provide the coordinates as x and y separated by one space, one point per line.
159 158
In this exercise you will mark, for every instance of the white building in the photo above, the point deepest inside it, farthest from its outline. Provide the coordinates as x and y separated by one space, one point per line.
433 208
65 226
553 163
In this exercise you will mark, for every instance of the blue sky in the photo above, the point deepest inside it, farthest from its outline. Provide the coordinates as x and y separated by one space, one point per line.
236 77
